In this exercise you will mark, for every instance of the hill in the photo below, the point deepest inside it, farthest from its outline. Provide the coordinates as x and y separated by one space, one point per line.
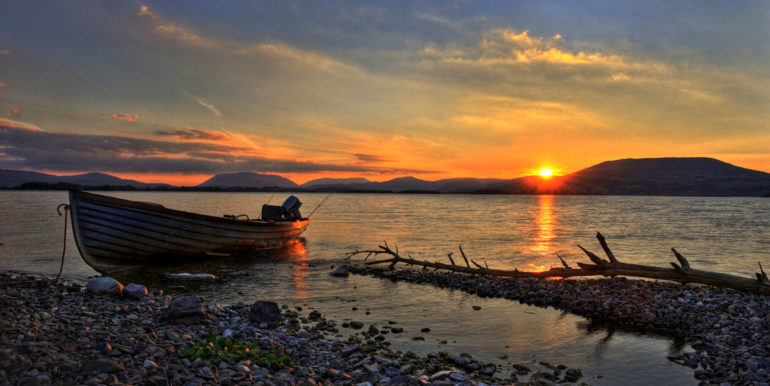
15 178
247 180
652 176
644 176
332 182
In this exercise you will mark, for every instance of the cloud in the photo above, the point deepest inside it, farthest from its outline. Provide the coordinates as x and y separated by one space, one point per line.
2 83
11 124
15 112
193 134
205 104
26 146
5 52
289 57
126 117
297 57
145 11
370 158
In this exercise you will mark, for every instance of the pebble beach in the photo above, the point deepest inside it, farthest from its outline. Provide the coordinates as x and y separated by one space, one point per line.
64 333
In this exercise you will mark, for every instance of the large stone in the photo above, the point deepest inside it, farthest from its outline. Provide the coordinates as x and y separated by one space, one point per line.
186 310
265 312
104 285
341 271
136 291
99 366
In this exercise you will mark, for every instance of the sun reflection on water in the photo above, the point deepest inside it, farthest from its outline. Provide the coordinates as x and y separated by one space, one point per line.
298 255
545 220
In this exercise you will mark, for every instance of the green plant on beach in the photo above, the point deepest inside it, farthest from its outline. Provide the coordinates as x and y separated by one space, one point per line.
227 350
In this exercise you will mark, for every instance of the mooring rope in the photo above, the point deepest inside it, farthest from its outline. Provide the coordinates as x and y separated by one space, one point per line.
64 238
63 253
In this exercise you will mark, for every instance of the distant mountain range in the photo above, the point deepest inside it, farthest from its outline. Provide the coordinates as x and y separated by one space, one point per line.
647 176
15 178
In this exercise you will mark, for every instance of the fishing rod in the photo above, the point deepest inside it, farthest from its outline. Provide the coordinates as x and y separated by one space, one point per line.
319 204
271 196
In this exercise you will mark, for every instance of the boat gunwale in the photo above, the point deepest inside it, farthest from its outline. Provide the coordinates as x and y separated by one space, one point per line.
127 216
157 208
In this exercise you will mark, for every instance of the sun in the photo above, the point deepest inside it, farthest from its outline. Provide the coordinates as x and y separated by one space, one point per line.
545 173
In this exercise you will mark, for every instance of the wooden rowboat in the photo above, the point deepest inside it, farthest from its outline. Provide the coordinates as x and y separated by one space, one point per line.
123 231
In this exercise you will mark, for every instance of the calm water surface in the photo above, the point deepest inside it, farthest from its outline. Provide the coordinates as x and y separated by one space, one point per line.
722 234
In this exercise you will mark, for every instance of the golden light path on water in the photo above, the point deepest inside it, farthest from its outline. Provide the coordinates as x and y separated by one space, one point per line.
545 220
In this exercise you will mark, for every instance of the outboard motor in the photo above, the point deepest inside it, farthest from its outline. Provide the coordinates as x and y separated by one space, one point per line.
288 211
290 208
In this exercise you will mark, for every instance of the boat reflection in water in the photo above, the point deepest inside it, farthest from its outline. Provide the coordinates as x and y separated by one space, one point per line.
224 268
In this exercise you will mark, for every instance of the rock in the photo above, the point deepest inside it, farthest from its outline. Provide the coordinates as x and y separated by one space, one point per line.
265 312
98 366
189 276
341 271
457 377
476 308
521 369
186 310
314 315
149 364
104 285
572 375
441 375
356 325
136 291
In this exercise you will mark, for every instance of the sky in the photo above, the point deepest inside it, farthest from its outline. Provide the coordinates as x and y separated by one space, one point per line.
177 91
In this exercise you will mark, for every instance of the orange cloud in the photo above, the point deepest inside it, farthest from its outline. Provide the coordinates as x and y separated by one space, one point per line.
194 134
145 11
5 52
126 117
3 84
19 125
15 112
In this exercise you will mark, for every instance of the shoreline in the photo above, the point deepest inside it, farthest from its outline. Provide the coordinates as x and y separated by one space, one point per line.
727 328
64 334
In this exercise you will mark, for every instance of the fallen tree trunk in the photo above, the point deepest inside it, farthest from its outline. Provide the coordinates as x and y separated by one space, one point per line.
681 272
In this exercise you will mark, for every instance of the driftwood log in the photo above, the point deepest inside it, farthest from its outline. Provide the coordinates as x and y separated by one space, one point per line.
681 272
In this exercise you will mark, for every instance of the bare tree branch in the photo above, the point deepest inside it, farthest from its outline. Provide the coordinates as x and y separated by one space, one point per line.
681 272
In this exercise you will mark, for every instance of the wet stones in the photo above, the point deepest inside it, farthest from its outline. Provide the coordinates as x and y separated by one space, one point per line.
98 366
135 291
341 271
186 310
104 285
727 328
265 312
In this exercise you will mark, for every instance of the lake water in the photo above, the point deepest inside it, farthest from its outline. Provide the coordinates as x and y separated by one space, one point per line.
721 234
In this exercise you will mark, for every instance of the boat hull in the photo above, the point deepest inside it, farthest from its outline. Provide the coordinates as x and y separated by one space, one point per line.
118 230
